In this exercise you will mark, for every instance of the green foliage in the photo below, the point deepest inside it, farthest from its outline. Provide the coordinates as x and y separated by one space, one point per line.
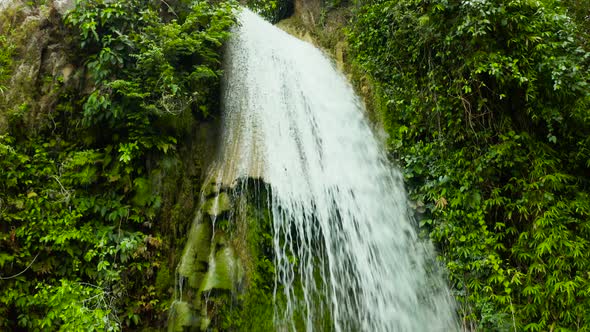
272 10
66 235
78 200
578 11
148 69
6 53
486 104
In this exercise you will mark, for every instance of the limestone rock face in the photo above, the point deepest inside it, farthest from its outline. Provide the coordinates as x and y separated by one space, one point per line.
43 62
62 6
309 11
5 3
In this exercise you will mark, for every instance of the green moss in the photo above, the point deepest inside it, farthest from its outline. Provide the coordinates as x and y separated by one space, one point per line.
217 205
223 271
181 317
211 189
6 53
196 256
252 307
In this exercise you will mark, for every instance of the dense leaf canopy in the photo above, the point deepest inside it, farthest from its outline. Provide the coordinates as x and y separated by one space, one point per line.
486 104
78 247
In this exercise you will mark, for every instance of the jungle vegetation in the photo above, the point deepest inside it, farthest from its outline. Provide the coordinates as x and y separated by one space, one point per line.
486 104
486 107
81 246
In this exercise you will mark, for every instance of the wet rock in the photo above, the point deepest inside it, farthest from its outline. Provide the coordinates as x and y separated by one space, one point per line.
195 260
211 189
217 205
223 271
182 318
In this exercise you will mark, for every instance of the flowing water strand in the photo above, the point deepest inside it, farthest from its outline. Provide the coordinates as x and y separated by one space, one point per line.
347 254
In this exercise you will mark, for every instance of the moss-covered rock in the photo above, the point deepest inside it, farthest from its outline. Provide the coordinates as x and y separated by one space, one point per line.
230 262
44 66
223 271
182 318
195 259
211 189
217 205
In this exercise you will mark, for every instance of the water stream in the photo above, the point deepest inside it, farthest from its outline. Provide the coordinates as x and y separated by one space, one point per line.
346 248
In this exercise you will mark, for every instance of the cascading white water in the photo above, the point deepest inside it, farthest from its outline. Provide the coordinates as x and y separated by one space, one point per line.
346 250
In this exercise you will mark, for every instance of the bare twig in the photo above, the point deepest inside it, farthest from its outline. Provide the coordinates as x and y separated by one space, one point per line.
67 194
23 271
170 8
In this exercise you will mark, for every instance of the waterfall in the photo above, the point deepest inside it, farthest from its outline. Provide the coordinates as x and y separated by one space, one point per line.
346 248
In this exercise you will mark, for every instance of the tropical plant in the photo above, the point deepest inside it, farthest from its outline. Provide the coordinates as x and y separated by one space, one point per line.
78 204
486 103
